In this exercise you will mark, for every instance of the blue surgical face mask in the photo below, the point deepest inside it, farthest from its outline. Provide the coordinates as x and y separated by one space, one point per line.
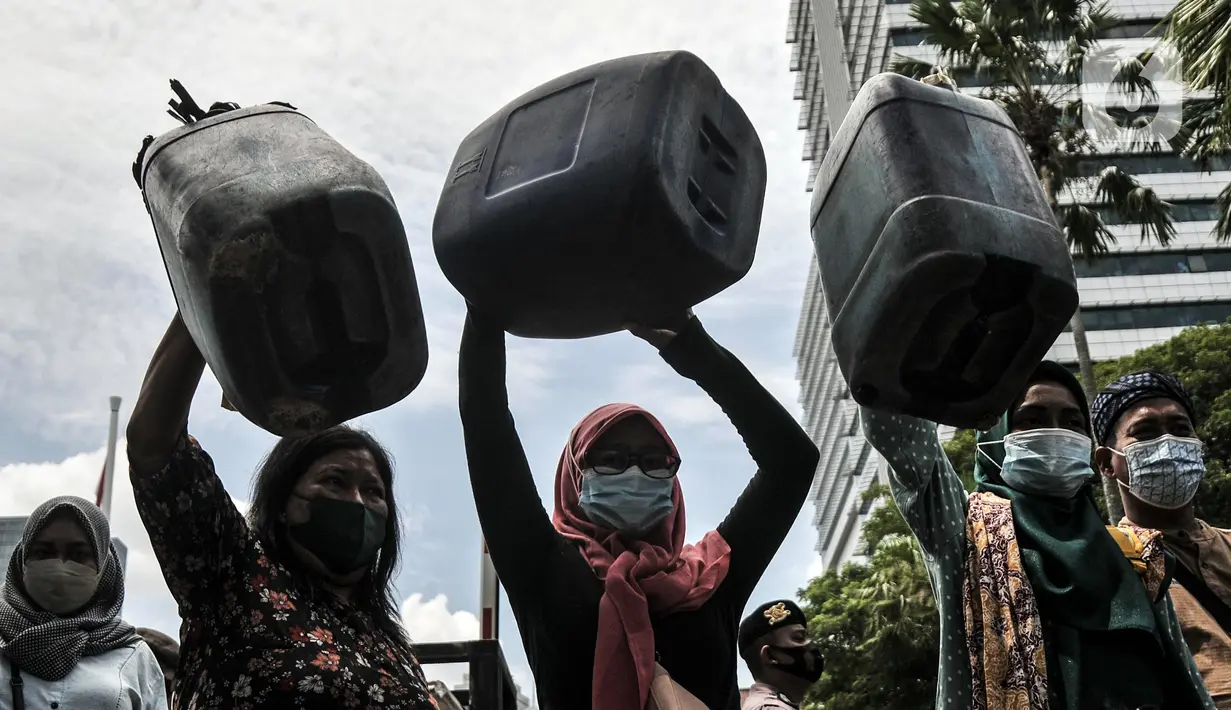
630 502
1047 462
1165 472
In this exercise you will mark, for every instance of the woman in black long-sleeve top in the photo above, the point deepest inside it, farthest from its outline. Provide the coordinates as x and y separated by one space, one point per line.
600 580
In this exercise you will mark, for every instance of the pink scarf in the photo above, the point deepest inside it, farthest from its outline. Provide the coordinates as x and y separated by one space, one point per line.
657 573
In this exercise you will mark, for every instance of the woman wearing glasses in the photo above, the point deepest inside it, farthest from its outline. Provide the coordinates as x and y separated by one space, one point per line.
605 591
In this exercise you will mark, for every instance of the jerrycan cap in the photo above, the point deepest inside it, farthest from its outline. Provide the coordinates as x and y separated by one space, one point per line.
186 110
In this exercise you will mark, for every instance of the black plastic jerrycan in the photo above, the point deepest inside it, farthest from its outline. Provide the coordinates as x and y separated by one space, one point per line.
623 192
289 263
945 275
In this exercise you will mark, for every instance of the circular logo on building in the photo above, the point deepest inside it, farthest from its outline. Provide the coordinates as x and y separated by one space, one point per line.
1132 96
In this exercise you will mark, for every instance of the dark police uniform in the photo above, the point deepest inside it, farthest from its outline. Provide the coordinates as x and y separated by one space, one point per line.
767 618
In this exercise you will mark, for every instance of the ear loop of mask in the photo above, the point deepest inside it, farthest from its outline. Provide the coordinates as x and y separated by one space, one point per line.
979 450
979 445
1124 456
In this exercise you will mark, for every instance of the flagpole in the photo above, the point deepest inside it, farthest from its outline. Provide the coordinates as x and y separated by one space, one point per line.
109 466
489 597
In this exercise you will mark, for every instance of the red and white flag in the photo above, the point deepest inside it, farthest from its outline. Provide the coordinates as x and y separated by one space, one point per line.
102 485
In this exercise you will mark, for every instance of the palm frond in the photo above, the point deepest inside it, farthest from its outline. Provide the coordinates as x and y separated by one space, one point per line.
1204 134
1084 231
1201 32
1222 229
1009 44
939 21
1137 203
1123 73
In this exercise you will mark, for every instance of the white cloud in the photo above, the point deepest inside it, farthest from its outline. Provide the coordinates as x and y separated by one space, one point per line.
430 621
147 601
529 366
679 401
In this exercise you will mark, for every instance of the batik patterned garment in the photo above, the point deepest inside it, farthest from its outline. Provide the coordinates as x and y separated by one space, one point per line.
931 498
1004 633
253 638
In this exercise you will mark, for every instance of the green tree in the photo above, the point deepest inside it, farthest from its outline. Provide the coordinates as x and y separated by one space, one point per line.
1011 45
1198 30
876 623
961 452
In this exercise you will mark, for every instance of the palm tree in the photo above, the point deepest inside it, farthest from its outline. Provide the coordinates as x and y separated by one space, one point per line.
1200 30
1028 52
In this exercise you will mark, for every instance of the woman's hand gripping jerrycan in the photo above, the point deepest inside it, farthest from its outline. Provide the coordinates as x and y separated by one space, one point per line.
289 264
945 276
627 191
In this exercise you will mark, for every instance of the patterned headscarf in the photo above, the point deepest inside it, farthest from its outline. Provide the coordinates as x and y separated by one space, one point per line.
45 644
1119 396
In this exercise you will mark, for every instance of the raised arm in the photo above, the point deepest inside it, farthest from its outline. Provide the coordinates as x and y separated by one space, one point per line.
924 484
194 527
518 531
161 413
785 456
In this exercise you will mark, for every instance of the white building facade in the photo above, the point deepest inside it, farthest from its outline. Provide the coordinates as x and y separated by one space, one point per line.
1138 295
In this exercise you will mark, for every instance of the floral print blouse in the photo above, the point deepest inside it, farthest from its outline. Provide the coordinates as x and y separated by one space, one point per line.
251 638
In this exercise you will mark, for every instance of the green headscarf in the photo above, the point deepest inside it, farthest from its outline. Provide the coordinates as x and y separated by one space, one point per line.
1084 586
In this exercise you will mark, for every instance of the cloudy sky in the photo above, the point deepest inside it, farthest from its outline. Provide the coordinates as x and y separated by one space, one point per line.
84 298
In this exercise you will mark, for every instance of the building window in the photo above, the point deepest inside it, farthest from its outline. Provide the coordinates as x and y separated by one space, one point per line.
1181 211
969 79
1169 315
1152 164
914 36
906 36
1132 29
1156 263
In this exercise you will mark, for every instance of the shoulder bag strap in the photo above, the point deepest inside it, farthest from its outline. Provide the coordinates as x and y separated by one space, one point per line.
1205 596
19 695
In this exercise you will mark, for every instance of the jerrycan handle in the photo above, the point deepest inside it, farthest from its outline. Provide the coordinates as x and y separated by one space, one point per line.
939 78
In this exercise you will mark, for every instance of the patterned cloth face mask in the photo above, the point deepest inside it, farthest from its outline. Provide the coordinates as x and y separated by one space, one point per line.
1048 462
1165 472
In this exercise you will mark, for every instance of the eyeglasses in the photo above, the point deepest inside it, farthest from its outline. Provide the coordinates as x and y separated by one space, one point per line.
610 462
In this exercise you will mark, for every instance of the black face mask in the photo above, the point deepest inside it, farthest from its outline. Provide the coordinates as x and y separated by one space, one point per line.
343 534
800 657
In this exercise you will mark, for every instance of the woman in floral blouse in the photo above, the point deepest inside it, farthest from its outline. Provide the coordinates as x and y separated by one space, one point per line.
293 607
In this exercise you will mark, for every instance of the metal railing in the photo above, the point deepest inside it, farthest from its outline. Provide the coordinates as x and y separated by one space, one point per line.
491 684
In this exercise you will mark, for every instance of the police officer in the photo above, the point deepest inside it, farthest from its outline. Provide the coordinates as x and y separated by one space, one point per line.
774 642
